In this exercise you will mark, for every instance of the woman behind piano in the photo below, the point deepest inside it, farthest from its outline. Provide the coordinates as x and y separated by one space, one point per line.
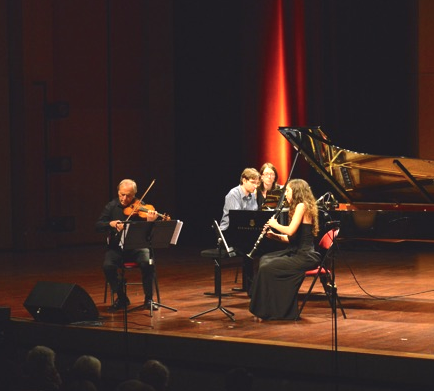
281 273
268 191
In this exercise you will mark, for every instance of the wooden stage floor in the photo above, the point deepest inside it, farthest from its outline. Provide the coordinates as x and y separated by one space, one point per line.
386 290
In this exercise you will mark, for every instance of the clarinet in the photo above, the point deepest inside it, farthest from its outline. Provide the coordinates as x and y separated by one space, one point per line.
263 233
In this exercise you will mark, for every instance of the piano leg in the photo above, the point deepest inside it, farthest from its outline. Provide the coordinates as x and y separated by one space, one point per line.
247 275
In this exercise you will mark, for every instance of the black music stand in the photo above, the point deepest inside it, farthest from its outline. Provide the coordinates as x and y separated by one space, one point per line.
222 251
153 234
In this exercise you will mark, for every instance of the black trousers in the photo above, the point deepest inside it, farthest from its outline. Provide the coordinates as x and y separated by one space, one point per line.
113 261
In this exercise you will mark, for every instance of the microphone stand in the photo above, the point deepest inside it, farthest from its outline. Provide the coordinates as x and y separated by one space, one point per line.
123 282
334 299
124 289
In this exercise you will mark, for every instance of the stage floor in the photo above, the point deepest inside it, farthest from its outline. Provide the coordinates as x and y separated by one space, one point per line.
386 291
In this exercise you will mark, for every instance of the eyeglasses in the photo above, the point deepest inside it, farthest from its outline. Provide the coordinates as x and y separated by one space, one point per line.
270 174
253 182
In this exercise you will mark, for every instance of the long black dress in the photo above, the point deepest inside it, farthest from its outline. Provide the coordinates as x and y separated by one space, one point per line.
280 275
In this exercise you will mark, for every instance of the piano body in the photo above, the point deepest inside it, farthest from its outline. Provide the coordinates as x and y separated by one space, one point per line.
377 197
245 227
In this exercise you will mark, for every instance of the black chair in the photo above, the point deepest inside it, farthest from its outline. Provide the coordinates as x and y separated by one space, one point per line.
325 271
223 251
126 268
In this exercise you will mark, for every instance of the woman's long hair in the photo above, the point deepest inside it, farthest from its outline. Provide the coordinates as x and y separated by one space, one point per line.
301 193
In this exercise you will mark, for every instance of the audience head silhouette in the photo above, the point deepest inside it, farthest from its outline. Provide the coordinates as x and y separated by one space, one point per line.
87 368
41 369
156 374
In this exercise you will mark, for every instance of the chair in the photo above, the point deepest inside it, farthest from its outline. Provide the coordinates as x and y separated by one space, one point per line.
326 247
129 266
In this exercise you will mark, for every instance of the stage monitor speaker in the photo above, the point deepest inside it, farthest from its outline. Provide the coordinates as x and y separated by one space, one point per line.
63 303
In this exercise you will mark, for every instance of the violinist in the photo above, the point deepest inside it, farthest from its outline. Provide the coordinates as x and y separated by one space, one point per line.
110 222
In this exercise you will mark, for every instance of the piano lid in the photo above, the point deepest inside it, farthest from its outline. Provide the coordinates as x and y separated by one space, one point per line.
364 178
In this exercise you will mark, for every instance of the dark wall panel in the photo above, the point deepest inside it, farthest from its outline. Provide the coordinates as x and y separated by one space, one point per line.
95 57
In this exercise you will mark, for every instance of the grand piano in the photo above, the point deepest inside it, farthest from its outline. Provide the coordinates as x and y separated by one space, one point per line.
373 197
376 197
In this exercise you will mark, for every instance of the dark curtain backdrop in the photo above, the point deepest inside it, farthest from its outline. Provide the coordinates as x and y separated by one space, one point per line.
362 67
210 140
362 73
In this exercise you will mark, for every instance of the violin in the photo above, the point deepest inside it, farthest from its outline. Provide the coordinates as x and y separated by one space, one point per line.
138 208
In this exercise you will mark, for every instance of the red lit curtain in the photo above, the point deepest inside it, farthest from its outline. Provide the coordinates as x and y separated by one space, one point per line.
283 95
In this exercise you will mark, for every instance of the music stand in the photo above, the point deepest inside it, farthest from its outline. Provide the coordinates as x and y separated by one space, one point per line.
153 234
223 251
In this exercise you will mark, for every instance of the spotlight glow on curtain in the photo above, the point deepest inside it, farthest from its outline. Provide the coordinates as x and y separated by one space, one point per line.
284 84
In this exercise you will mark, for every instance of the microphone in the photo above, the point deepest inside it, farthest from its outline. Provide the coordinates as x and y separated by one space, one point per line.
327 201
320 199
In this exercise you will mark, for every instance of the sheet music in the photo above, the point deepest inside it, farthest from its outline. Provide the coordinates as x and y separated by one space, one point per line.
176 232
156 234
229 250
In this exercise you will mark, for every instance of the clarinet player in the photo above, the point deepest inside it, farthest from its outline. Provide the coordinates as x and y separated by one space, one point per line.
281 273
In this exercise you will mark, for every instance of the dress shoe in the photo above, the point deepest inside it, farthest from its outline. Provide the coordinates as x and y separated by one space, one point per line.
148 304
119 304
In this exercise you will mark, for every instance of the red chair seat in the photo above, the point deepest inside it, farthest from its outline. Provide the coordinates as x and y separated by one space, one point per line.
313 272
131 265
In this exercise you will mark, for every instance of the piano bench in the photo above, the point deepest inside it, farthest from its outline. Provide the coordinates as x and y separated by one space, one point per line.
218 256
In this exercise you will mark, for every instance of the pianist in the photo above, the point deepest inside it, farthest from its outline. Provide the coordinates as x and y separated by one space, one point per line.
241 197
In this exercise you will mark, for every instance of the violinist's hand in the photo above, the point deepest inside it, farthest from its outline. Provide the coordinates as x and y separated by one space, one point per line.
117 224
152 215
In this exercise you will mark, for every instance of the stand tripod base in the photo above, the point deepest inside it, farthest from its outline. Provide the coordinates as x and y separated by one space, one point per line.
160 305
222 309
151 307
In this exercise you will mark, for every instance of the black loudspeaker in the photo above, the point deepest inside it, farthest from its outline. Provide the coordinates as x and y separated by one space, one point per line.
57 302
